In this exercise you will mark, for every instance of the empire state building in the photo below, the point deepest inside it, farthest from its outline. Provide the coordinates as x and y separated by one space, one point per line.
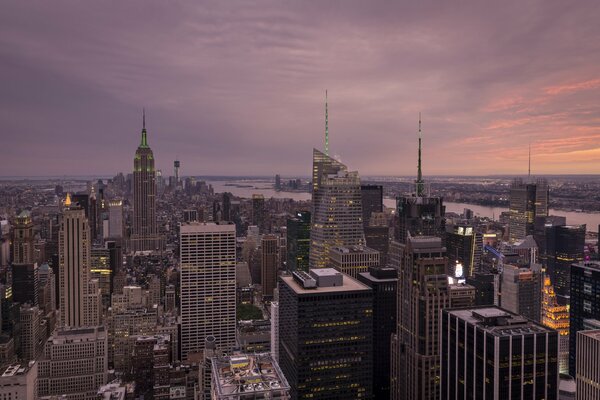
145 233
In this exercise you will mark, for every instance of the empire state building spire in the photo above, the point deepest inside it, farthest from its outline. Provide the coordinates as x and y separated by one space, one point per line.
326 126
144 142
420 183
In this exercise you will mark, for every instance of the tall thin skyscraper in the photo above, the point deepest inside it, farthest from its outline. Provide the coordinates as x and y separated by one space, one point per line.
564 246
207 277
298 241
337 209
74 264
419 213
527 201
423 290
25 279
145 232
269 264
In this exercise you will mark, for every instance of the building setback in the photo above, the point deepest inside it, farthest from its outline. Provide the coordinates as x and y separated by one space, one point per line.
326 335
491 353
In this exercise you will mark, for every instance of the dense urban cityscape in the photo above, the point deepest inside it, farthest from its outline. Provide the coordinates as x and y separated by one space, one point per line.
329 200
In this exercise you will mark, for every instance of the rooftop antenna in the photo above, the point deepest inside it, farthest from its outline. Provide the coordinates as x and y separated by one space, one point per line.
326 126
529 170
419 181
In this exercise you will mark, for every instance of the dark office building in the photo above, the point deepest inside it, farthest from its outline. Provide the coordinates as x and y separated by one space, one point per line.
564 247
372 201
384 282
25 283
527 201
258 210
298 241
584 304
464 247
540 224
491 353
326 335
484 284
378 238
421 216
226 207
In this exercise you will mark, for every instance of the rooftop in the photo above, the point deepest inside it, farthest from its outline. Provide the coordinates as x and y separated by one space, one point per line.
354 250
16 370
594 334
348 284
247 375
499 322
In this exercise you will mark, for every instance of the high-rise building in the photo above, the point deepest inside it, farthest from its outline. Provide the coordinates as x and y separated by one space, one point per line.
491 353
298 241
464 247
556 317
584 304
207 281
419 214
337 208
74 364
352 260
485 284
423 290
145 232
527 201
587 372
20 382
326 335
23 239
25 280
74 264
372 201
115 219
258 211
564 247
30 335
384 283
461 295
269 264
522 290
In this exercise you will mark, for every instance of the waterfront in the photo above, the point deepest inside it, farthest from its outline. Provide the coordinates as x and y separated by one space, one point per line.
246 188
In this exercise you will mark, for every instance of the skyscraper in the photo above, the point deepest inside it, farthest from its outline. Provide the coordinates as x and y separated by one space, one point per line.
145 233
298 241
584 304
74 264
258 211
422 291
353 260
25 279
326 335
556 317
372 201
464 247
490 353
269 264
564 247
419 213
527 201
207 277
587 372
522 291
115 219
337 208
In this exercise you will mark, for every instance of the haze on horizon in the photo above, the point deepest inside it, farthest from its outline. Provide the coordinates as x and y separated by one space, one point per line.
233 88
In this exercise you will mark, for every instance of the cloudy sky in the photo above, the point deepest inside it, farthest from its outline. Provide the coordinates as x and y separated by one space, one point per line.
238 88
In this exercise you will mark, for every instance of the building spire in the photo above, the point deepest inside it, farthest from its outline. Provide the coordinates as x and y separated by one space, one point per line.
68 200
419 181
529 169
326 126
144 142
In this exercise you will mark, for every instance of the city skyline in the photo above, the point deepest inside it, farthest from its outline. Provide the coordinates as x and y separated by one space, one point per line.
246 83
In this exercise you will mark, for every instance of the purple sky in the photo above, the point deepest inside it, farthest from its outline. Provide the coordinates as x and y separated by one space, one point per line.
233 88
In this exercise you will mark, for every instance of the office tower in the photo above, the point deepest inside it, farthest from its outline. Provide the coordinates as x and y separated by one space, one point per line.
23 239
74 264
115 219
422 292
486 288
269 265
564 246
207 282
30 335
587 372
378 238
47 289
522 291
74 364
277 182
527 201
257 376
336 209
100 269
176 165
326 335
384 283
419 214
143 365
540 225
298 241
275 330
584 304
352 260
258 211
227 207
145 233
372 201
19 381
556 317
491 353
464 247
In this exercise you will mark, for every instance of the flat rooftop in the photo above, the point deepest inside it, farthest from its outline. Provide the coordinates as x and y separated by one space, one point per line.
594 334
354 250
499 322
206 227
246 375
348 284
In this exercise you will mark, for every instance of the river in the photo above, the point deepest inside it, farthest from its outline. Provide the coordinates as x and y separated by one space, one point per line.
247 188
